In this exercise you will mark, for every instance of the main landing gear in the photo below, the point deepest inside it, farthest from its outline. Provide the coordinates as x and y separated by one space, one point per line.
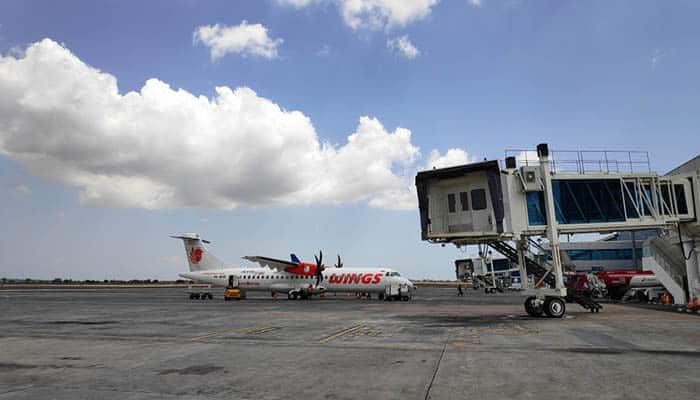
553 307
294 295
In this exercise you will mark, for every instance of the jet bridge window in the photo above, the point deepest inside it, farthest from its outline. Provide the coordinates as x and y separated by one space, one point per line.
680 199
464 200
451 202
478 199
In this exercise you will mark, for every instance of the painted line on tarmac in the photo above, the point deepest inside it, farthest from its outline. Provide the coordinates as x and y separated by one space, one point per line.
255 330
342 333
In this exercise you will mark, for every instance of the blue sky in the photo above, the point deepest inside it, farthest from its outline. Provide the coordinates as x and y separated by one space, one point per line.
487 76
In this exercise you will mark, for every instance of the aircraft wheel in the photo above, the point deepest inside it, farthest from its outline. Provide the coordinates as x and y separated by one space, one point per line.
532 308
191 296
381 296
554 307
290 296
404 298
211 297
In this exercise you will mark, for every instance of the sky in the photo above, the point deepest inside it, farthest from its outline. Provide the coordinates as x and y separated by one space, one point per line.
279 126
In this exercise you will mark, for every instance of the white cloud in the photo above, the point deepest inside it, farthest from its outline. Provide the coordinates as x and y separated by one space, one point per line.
384 14
527 157
451 158
374 14
405 198
165 148
403 46
245 39
475 3
656 56
298 3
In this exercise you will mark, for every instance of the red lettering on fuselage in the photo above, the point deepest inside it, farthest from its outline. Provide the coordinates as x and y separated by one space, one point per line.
353 278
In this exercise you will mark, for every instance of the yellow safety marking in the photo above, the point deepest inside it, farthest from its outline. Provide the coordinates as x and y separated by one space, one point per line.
208 336
458 345
256 330
342 333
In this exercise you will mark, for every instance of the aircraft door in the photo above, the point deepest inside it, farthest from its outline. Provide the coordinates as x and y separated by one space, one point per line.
459 216
436 206
232 281
480 208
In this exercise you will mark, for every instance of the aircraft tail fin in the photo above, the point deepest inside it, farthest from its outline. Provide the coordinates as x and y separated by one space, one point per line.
198 257
294 258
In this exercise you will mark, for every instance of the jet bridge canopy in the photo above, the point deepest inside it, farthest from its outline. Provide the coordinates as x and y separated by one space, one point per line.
466 199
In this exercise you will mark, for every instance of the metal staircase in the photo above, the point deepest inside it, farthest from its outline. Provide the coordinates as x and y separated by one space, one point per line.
541 272
664 259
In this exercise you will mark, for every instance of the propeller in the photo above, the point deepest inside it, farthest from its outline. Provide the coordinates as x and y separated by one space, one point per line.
340 262
319 267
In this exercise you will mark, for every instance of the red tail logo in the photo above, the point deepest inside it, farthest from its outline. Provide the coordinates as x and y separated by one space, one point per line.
195 255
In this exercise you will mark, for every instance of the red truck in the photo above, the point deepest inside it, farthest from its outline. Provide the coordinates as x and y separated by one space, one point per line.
618 282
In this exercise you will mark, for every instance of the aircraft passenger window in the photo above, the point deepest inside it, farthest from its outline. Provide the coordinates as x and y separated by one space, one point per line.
478 199
451 202
464 200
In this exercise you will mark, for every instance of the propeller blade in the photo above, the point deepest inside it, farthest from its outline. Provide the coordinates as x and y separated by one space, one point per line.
319 267
340 262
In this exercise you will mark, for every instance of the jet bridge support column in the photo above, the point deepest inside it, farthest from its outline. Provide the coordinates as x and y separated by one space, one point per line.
549 300
552 231
522 268
691 252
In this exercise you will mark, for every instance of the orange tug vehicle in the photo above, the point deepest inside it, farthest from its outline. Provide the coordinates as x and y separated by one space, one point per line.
232 294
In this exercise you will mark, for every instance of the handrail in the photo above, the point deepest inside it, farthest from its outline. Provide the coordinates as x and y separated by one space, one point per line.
652 249
587 161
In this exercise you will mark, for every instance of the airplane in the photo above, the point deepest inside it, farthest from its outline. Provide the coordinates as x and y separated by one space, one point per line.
296 279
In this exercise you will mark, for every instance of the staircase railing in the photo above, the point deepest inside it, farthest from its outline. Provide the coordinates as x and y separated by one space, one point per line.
657 248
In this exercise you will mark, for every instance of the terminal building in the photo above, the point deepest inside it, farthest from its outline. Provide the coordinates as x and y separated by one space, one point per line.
618 251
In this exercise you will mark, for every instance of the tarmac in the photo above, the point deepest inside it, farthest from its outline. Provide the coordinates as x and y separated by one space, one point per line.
157 344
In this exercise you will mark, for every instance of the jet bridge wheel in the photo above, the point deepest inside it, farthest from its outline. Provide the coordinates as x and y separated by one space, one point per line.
532 308
554 307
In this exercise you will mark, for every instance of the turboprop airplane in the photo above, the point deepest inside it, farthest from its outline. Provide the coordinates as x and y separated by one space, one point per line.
294 278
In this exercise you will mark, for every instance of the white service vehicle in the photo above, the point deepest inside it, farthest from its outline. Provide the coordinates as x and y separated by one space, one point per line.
293 278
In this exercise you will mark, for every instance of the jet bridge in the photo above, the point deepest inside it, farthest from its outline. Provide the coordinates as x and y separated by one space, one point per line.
554 194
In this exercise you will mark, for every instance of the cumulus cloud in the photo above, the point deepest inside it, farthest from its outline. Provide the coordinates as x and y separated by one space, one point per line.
475 3
165 148
405 198
374 14
451 158
245 39
527 157
402 45
297 3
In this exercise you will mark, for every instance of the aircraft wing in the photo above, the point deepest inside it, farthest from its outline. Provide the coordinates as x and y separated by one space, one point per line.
280 265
